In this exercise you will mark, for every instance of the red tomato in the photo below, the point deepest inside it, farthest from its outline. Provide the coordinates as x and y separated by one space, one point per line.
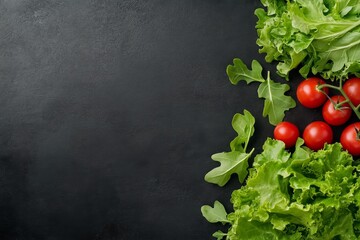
352 89
308 94
336 115
350 139
286 132
316 134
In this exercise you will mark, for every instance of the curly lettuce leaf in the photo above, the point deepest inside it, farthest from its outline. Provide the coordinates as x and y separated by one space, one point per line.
299 195
273 150
320 36
341 60
254 230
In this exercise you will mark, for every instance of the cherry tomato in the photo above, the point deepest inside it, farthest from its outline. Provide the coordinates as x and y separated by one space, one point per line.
352 89
350 139
335 114
286 132
316 134
308 94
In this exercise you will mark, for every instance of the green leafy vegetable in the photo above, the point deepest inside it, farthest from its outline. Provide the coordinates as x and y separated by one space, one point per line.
244 127
219 235
299 195
230 163
239 71
276 102
235 161
215 214
321 36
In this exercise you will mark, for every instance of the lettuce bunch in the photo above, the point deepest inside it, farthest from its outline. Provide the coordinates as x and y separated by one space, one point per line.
299 195
317 36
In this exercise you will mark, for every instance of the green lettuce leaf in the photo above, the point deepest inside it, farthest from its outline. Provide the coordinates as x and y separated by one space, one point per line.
298 195
254 230
321 36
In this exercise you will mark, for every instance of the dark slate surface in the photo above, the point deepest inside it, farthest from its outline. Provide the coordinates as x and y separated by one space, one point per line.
110 110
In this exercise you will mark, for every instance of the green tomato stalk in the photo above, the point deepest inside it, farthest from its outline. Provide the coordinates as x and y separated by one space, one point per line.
339 88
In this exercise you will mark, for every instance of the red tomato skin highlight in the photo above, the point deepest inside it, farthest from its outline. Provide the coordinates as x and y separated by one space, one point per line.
316 134
308 95
336 117
349 139
351 88
287 132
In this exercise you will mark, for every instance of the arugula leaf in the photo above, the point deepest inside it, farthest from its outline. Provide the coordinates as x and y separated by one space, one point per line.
215 214
219 235
276 102
244 126
230 163
239 71
235 161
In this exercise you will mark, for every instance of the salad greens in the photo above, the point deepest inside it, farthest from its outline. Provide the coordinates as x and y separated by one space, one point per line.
235 161
215 214
276 102
321 36
299 195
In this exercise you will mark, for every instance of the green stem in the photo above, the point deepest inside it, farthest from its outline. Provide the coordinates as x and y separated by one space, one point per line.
248 138
340 89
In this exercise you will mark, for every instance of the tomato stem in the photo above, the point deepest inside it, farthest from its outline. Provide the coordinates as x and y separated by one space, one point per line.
357 133
347 99
340 105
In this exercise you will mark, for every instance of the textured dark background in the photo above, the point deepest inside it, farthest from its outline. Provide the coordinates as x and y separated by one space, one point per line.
110 110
